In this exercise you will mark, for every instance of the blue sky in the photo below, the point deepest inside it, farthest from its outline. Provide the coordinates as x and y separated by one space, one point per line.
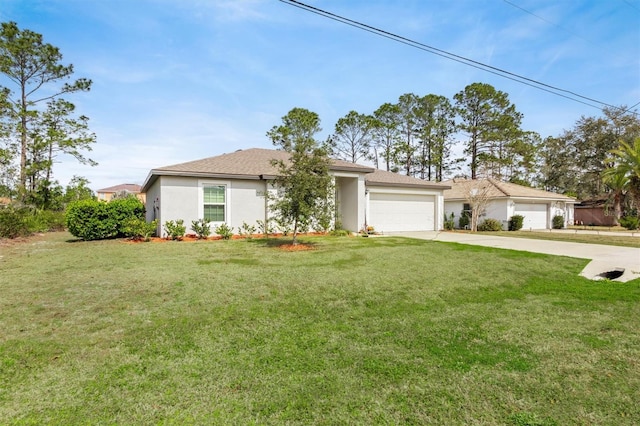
179 80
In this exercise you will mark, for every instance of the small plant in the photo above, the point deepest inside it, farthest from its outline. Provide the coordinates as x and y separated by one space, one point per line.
175 230
557 222
247 230
265 228
449 222
339 233
224 230
515 223
630 222
139 229
13 222
201 227
463 222
490 225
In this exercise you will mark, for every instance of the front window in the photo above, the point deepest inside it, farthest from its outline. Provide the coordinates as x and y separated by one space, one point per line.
214 203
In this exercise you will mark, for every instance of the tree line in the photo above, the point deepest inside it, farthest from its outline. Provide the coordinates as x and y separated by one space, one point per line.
477 132
37 123
418 135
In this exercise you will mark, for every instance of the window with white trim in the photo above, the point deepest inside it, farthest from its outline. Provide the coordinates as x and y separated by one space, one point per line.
214 202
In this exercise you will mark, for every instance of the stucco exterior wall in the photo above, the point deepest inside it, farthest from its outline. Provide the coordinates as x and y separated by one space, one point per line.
350 200
495 209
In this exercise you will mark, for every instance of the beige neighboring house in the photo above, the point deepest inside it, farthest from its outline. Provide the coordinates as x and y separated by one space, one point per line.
231 189
105 194
507 199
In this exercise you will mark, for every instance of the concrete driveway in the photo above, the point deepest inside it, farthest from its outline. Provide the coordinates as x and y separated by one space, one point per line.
603 258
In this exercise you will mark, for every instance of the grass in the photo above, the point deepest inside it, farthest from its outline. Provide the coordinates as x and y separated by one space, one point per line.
567 235
356 331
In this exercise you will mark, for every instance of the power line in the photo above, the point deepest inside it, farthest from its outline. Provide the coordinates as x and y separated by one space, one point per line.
448 55
545 20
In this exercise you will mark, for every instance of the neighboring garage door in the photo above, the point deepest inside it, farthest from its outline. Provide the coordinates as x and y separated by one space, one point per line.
401 212
535 215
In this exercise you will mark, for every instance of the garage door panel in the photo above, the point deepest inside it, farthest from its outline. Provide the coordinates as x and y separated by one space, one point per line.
535 215
401 212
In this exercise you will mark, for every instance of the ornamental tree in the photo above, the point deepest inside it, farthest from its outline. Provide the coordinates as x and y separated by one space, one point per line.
303 180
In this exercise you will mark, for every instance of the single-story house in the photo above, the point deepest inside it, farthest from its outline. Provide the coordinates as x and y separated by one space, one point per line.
594 212
231 189
106 194
507 199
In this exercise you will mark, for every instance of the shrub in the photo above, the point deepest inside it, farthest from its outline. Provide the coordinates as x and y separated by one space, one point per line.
449 222
630 222
139 229
490 225
247 230
557 222
175 230
122 209
224 231
463 222
265 227
339 233
14 222
201 227
515 223
90 220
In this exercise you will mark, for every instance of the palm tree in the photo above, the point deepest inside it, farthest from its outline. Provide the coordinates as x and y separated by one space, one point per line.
627 160
617 179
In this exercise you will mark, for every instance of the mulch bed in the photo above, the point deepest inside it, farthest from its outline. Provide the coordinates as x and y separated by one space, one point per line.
190 238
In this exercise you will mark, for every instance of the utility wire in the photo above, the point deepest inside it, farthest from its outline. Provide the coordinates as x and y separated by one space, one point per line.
448 55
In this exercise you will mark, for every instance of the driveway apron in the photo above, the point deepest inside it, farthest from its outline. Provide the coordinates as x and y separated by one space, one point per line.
604 259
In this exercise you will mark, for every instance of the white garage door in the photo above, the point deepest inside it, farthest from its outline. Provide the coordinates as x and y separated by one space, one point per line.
535 215
401 212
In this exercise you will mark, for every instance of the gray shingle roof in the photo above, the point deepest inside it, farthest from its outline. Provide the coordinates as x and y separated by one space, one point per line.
384 178
499 189
255 163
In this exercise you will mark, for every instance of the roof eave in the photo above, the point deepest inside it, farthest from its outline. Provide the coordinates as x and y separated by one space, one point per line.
155 173
407 185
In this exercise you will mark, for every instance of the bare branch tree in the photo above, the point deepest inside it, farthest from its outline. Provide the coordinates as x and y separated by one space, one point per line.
477 193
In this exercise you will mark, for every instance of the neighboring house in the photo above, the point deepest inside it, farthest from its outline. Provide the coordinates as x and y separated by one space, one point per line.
231 189
106 194
594 212
507 199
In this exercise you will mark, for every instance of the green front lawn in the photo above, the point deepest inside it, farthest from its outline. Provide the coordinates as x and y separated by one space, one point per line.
356 331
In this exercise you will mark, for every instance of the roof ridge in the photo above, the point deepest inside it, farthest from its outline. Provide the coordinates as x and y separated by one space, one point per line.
498 187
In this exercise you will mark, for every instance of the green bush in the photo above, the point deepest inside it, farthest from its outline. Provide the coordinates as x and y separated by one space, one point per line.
96 220
224 230
175 230
449 222
201 227
557 222
90 220
463 222
122 209
490 225
14 222
139 229
247 230
515 223
630 222
23 221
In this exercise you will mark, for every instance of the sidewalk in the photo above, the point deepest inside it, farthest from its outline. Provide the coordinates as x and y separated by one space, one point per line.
589 232
603 258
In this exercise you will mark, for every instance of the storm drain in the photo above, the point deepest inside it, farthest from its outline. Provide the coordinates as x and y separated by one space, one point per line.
610 275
